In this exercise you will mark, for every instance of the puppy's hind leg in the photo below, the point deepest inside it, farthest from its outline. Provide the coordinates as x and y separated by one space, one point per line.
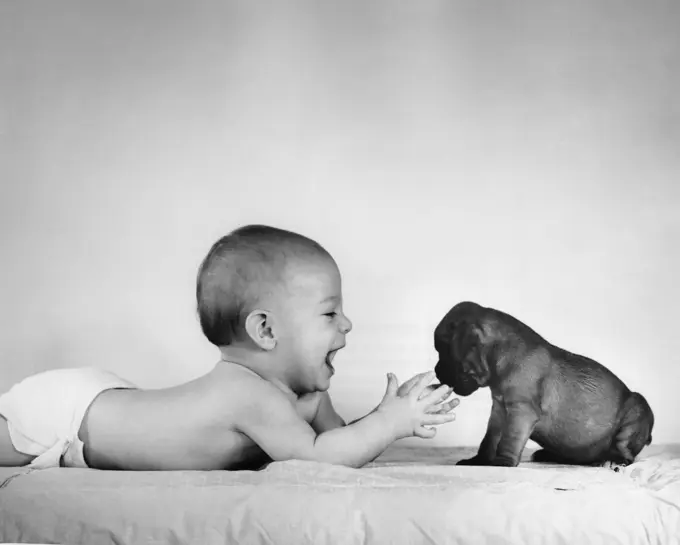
635 431
549 456
552 457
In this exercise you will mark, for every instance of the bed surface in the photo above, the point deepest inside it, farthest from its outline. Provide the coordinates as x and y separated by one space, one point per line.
411 494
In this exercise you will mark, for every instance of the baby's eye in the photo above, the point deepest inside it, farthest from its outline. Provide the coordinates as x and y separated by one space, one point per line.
331 314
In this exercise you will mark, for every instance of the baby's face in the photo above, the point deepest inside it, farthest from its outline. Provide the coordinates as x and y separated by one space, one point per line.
313 326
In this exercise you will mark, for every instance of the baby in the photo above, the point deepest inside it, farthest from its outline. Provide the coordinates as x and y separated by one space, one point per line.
271 301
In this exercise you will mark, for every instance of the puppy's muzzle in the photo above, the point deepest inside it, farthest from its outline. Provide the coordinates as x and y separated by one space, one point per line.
463 385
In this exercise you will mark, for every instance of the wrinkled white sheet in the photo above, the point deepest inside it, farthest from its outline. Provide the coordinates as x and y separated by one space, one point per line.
409 495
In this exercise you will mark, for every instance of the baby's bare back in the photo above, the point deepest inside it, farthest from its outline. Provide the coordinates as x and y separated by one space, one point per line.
193 426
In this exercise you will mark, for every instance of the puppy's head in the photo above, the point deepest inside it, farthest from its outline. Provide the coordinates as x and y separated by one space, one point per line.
459 340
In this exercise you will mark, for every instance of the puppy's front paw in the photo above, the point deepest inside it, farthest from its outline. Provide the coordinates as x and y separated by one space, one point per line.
503 462
474 461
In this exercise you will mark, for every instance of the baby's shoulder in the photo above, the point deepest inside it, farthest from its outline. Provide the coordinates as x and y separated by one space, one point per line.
242 394
236 388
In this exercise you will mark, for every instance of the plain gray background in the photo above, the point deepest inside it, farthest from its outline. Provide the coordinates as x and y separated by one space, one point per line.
520 154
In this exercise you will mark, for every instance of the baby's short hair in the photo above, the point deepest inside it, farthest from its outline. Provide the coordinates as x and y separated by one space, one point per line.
238 270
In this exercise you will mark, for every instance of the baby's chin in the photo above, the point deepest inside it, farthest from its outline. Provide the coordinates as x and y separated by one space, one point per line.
323 387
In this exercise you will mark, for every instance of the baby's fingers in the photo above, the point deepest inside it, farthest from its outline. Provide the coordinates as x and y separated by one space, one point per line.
392 385
437 419
407 386
422 383
428 390
443 407
438 395
426 433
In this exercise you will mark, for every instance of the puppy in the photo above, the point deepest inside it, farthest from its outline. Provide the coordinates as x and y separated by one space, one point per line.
573 407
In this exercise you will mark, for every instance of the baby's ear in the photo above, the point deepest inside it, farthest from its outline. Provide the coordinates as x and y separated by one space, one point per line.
259 328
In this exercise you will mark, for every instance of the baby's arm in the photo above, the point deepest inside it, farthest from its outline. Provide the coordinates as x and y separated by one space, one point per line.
274 424
327 419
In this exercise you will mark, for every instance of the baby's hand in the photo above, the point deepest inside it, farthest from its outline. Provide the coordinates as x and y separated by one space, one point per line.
408 385
411 412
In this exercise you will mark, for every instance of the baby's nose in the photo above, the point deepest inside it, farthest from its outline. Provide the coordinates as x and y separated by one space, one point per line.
346 325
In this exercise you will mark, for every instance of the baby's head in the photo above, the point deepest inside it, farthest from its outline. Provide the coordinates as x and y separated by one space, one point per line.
276 293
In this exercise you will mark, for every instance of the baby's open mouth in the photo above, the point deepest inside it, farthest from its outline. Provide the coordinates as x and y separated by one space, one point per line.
330 355
329 359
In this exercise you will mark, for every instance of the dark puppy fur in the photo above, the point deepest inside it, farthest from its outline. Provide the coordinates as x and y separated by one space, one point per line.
575 408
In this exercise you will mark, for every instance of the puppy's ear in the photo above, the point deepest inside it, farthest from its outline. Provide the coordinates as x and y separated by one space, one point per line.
468 347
